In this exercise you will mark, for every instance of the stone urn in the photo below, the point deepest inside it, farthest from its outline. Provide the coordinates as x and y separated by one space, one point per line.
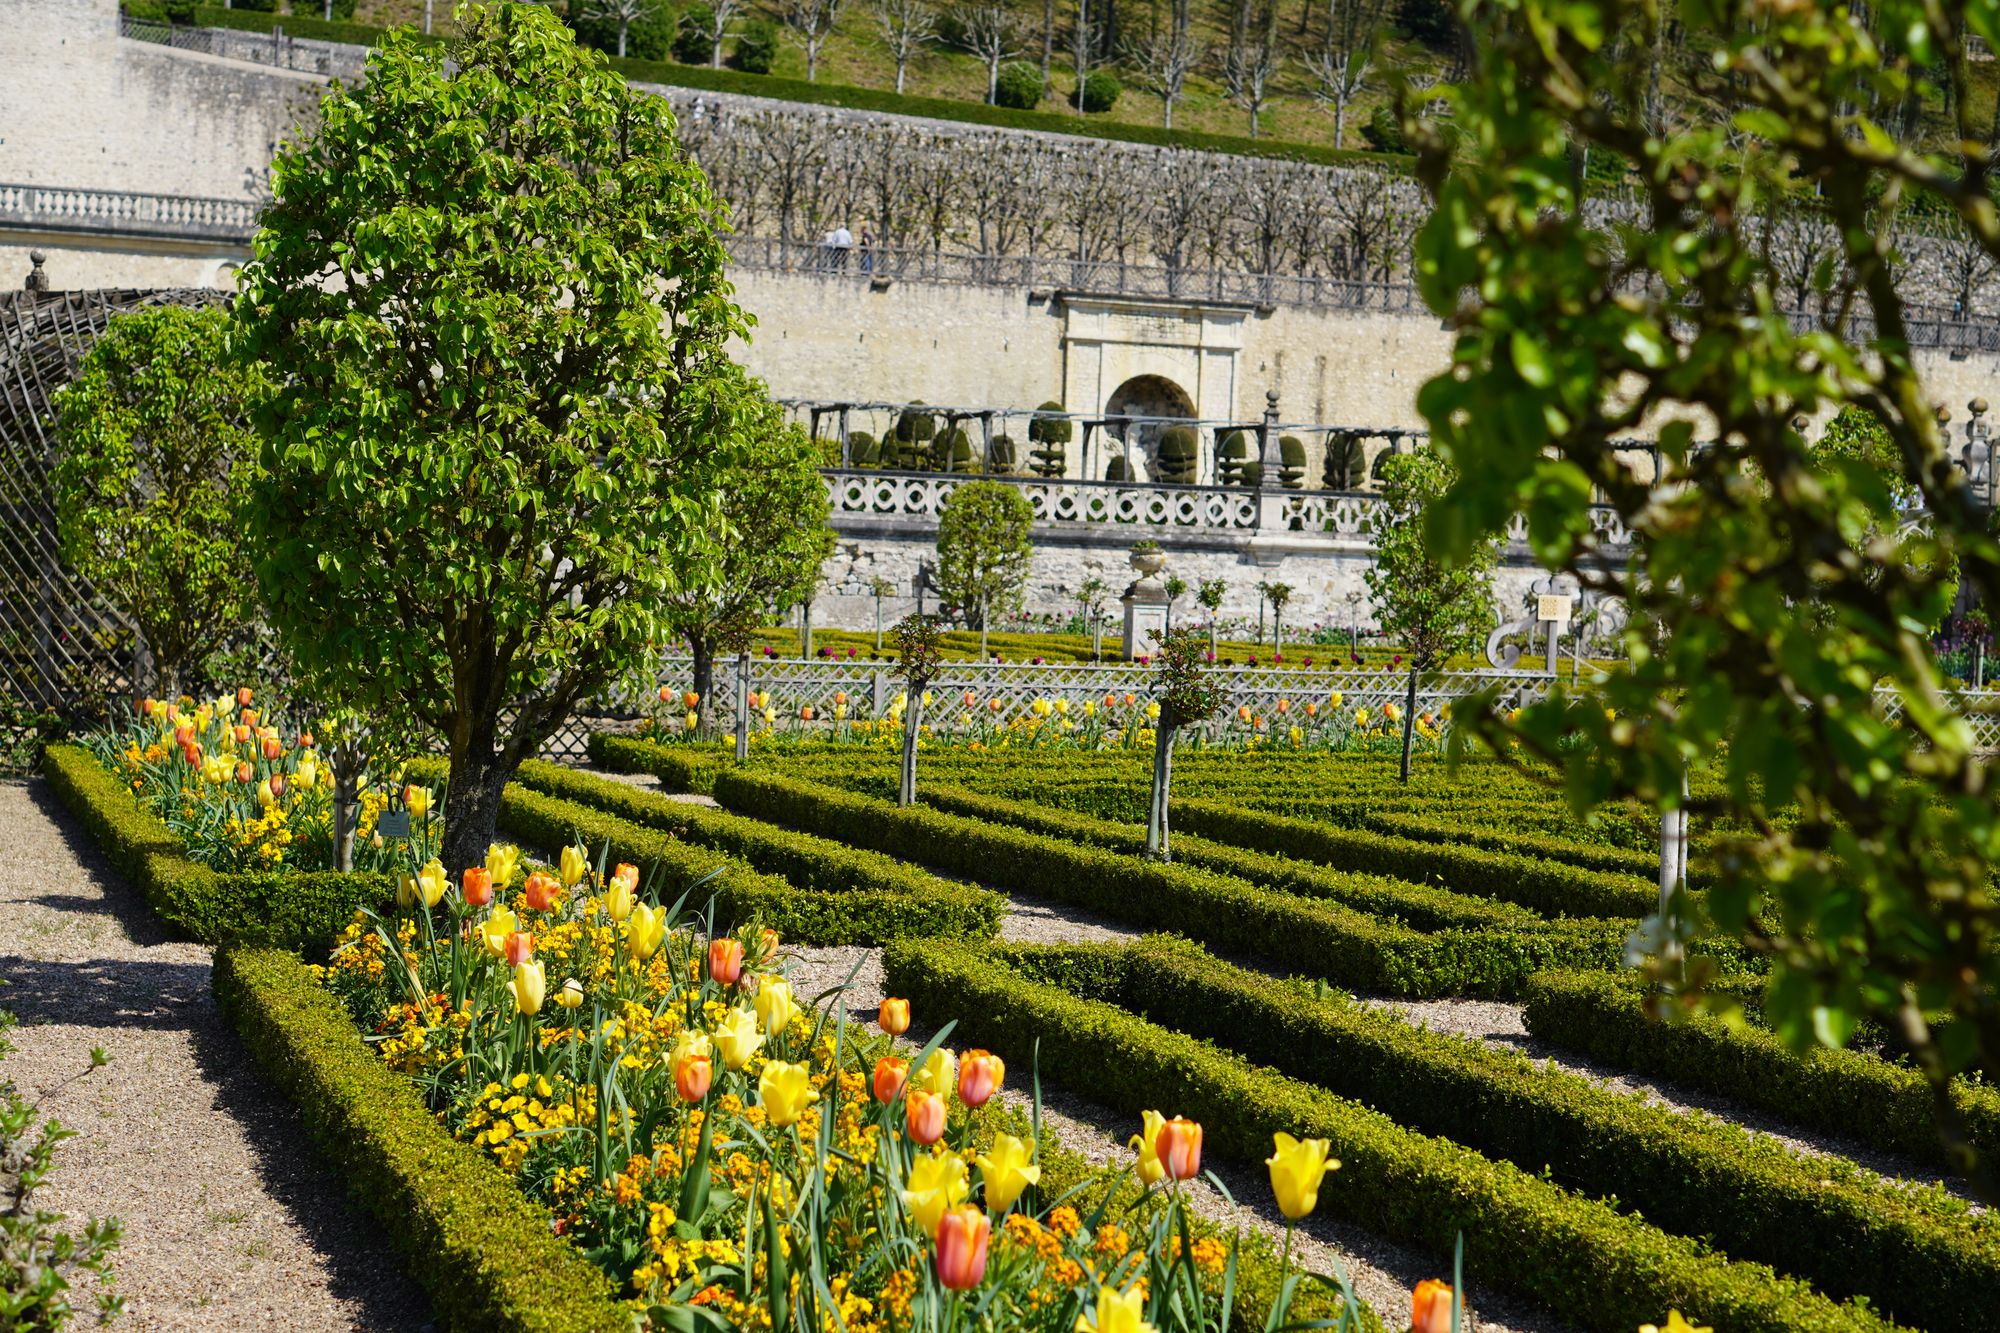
1148 561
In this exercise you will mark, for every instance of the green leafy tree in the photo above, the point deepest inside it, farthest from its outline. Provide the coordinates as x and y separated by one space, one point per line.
1278 594
984 551
494 285
155 458
918 654
1763 615
1187 692
1210 595
774 507
1176 588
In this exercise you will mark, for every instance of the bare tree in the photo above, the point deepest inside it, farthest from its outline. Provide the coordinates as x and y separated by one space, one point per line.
1048 38
991 33
906 25
624 13
1252 59
716 19
811 23
934 177
1166 58
792 159
1340 69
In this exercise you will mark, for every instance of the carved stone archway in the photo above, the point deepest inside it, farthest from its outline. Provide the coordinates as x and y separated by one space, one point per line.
1146 396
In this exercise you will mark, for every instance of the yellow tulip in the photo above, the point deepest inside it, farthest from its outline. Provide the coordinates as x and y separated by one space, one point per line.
690 1043
939 1074
1336 699
307 775
417 800
774 1003
737 1037
619 900
1116 1312
432 882
573 867
1297 1167
500 863
406 892
529 986
1676 1323
937 1183
644 931
495 930
265 796
571 994
1146 1143
1152 712
1361 717
1007 1169
785 1091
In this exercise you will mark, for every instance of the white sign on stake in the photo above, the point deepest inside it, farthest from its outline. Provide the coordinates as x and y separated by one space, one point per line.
1553 608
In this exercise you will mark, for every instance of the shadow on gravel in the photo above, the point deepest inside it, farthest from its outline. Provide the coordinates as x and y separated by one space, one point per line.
122 902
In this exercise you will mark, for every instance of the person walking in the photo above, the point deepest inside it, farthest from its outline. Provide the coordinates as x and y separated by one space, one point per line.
843 245
867 249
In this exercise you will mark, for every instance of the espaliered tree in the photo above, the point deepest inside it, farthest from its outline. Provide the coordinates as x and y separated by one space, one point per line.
492 290
155 454
1778 605
917 653
1433 606
774 512
1187 693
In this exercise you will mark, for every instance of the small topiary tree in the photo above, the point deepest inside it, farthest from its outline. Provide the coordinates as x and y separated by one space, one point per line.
952 452
1346 465
1099 92
1179 452
154 466
983 551
1186 694
862 450
907 445
1277 594
1291 462
756 47
917 652
1004 456
1050 435
1176 588
1118 469
1232 458
1020 86
1210 595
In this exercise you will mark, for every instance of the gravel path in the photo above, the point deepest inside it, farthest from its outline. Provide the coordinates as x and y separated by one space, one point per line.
230 1222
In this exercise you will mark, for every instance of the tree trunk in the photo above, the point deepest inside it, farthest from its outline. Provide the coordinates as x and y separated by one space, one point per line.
1278 629
1163 776
902 63
1048 39
704 679
743 706
1409 721
1339 122
878 624
472 796
913 721
345 762
622 29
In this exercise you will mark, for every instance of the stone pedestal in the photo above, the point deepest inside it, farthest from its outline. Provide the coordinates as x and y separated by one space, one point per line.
1145 616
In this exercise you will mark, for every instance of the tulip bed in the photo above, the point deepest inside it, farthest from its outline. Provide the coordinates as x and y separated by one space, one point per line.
1601 1266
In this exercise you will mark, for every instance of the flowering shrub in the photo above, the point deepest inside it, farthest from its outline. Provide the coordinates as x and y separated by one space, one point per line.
720 1146
241 794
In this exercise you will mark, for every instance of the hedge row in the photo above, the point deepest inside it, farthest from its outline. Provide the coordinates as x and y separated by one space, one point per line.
812 864
806 916
1886 1105
483 1251
1916 1252
1600 1267
1233 915
680 767
300 910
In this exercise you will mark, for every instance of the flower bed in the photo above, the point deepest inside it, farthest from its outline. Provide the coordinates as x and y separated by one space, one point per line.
299 910
1601 1267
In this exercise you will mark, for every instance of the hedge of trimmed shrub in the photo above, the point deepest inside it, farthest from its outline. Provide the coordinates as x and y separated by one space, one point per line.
1886 1105
486 1254
1916 1252
300 910
680 767
1313 935
1601 1267
860 915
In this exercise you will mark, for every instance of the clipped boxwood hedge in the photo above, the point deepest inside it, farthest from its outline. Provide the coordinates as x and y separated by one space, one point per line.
679 767
300 910
1601 1267
1232 915
877 908
1917 1253
482 1250
1885 1105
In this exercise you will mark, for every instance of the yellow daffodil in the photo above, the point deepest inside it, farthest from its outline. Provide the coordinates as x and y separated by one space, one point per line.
644 930
529 986
573 867
1007 1169
939 1074
500 863
737 1037
1676 1323
1297 1168
775 1007
937 1183
1146 1143
495 930
1116 1312
1152 712
785 1091
432 882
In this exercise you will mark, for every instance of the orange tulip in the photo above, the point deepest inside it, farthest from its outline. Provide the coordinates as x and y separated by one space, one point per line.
893 1015
626 874
890 1075
691 700
992 705
544 891
243 697
1243 713
272 749
840 697
244 772
1110 699
1312 709
963 1234
1284 705
1130 698
665 694
1430 1311
924 1114
725 960
191 753
1179 1148
183 734
142 707
248 717
277 784
520 947
305 740
692 1077
805 712
979 1076
970 698
478 886
241 735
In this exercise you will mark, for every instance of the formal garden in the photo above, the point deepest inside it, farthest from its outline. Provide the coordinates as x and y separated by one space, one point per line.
961 973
